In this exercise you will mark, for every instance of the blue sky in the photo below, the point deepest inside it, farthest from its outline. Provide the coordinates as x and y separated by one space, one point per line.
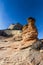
13 11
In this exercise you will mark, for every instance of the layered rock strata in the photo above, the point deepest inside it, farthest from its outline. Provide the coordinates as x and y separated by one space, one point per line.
29 32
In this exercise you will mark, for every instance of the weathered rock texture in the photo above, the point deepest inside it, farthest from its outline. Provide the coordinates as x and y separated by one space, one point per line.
11 34
30 32
16 35
26 51
16 26
13 29
10 55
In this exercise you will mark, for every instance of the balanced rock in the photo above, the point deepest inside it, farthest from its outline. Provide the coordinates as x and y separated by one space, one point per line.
30 33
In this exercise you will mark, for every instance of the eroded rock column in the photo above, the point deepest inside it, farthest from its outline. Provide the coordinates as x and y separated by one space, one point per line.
30 32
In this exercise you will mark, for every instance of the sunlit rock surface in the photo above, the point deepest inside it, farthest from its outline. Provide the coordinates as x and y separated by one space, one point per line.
16 26
30 33
11 55
21 47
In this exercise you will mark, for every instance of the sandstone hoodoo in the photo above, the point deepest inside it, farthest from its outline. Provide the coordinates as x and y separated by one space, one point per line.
30 32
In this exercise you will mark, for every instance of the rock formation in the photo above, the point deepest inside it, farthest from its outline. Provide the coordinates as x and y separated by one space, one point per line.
13 32
2 33
16 35
30 33
26 51
16 26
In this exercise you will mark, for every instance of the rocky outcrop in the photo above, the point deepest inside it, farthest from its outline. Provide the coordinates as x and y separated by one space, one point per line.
30 32
23 47
11 35
16 26
16 35
13 32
